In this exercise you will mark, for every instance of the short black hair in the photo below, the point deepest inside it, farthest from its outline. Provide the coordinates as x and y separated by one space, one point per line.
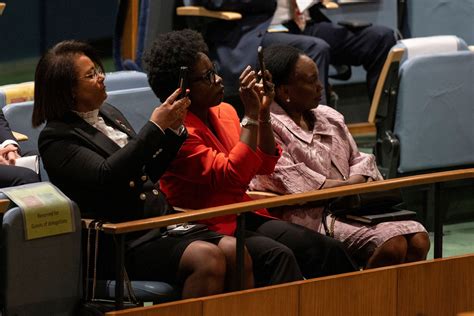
55 79
280 60
167 54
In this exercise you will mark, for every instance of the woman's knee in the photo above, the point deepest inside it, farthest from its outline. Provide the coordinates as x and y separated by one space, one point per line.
394 250
204 258
418 246
228 246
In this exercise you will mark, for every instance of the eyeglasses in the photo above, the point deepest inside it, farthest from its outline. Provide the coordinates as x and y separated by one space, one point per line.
94 75
209 76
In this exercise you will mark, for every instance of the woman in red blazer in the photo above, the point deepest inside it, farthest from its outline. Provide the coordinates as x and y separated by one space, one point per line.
220 157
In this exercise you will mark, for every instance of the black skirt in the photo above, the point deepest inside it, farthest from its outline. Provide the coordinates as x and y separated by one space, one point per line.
158 259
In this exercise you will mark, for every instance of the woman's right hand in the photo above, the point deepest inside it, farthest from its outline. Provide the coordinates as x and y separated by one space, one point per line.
171 112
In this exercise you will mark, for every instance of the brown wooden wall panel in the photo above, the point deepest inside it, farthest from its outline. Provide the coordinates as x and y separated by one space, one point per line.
441 287
275 301
181 308
360 294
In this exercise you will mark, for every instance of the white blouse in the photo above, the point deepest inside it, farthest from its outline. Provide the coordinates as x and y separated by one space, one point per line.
93 118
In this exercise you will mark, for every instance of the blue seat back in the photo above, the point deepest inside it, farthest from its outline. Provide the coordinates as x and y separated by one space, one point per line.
135 104
435 111
118 80
434 104
127 79
40 276
18 116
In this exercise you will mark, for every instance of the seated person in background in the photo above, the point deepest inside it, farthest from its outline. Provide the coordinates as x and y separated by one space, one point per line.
233 44
93 155
319 152
328 43
217 161
11 175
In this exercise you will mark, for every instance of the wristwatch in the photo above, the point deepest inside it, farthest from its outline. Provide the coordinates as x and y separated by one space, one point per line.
247 121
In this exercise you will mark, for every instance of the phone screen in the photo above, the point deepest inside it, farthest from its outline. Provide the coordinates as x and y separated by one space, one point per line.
183 81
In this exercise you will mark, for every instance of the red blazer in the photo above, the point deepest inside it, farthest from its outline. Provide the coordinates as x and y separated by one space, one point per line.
210 171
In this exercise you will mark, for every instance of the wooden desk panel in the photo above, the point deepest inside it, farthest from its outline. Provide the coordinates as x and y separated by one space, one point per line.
182 308
275 301
439 287
358 294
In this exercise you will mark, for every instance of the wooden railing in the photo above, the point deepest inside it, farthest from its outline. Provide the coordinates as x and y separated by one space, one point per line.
120 229
292 199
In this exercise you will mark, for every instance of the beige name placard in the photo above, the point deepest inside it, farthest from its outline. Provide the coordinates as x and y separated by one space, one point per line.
46 210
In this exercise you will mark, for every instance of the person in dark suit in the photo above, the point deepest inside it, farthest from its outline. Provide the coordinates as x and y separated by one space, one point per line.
11 175
329 43
94 156
233 44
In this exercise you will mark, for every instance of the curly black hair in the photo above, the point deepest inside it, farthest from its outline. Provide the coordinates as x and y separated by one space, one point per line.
167 54
280 60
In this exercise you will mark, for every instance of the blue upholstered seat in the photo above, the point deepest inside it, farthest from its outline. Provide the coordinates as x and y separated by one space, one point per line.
424 121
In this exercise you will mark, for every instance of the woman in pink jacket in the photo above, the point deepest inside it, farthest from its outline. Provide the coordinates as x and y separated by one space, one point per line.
319 152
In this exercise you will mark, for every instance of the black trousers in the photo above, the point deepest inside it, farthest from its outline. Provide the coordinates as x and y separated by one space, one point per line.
283 252
329 43
12 176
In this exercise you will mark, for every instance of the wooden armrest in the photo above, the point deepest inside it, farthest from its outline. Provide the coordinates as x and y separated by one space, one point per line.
393 56
282 200
258 195
203 12
362 129
330 5
2 7
20 137
4 203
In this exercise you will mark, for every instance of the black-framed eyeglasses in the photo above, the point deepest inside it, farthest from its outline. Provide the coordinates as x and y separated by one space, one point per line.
96 72
209 76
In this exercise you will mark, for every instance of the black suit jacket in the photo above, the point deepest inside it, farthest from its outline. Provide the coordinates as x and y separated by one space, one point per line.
106 181
5 131
233 44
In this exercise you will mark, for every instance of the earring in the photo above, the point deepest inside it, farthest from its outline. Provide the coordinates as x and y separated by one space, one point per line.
287 100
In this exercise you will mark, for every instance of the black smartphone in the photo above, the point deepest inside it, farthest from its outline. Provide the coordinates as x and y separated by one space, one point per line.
262 67
183 81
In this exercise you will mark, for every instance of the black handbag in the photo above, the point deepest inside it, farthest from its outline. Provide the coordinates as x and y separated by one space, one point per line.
358 205
365 203
91 305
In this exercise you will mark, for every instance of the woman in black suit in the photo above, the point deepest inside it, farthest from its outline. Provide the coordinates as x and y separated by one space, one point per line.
92 154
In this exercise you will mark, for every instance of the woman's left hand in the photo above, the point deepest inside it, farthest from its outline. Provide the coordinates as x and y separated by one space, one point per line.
357 178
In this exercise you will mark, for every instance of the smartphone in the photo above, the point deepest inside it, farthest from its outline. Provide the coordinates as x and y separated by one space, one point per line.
262 67
183 81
